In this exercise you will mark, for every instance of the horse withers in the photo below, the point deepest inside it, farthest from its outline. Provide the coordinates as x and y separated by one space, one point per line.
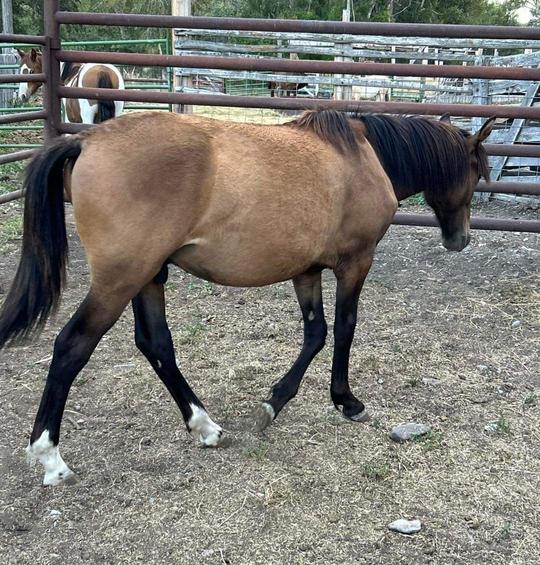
238 204
88 75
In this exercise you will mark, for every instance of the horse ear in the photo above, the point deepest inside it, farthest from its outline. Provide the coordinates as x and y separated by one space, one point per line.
483 133
33 54
20 52
445 119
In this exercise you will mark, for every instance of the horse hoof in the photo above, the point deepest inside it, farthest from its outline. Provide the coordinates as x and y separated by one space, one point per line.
212 439
263 416
67 477
362 416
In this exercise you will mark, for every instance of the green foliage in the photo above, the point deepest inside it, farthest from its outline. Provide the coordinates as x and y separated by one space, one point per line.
424 11
28 14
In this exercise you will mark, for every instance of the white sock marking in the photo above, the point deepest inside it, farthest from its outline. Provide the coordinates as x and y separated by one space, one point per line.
43 449
203 428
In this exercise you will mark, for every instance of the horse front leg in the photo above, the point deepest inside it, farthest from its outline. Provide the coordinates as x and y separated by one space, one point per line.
309 294
153 338
350 279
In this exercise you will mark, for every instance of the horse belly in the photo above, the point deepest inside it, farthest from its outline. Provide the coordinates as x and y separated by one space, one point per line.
246 263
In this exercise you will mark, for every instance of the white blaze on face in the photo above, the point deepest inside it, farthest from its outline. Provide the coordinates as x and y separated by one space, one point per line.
23 86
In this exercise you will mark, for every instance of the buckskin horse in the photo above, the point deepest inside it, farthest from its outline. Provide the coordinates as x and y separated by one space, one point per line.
88 75
238 204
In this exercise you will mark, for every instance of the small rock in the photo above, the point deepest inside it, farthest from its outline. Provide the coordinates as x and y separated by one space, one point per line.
405 526
492 427
482 367
430 381
54 514
405 432
516 324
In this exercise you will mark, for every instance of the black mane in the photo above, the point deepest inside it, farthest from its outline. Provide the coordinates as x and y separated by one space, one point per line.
331 126
414 151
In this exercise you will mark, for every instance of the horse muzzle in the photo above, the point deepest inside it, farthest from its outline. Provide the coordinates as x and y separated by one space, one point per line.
457 242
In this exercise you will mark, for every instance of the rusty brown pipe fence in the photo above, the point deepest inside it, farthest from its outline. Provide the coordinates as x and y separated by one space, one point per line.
54 91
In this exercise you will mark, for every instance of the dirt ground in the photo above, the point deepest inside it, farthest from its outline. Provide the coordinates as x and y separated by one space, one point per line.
449 340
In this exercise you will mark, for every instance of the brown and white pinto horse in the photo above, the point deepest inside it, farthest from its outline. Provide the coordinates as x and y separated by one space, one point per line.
88 75
237 204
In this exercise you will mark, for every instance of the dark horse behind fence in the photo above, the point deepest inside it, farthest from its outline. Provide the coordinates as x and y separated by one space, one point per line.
237 204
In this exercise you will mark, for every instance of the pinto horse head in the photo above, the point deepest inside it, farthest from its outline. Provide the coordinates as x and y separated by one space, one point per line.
31 63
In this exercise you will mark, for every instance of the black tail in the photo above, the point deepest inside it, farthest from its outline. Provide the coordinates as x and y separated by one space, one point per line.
106 108
35 291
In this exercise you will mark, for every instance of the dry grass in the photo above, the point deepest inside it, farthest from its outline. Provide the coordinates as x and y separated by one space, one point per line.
314 488
244 115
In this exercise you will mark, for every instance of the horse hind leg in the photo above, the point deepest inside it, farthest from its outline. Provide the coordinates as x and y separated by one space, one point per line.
72 349
153 338
88 111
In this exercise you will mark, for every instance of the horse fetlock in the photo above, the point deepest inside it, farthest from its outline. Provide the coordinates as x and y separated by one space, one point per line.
48 454
203 428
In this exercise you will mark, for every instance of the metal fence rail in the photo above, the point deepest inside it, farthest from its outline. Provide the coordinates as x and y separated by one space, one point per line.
308 26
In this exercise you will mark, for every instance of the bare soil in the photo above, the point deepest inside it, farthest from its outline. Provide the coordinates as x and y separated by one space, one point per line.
313 488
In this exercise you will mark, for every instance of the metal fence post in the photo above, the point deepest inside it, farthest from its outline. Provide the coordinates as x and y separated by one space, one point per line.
51 67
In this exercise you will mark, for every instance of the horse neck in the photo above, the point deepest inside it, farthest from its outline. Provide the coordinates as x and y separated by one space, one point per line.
401 192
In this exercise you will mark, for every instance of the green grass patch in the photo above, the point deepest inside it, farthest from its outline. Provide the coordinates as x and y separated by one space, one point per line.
500 426
10 230
530 400
430 441
412 382
505 532
256 452
375 470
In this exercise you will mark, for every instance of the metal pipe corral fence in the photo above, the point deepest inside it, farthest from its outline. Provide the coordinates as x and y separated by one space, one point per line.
54 54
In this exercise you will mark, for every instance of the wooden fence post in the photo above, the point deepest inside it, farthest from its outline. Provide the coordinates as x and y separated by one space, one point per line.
180 8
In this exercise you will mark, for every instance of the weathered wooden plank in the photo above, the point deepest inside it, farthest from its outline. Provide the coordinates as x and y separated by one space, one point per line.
334 50
512 133
527 135
327 80
521 178
521 60
522 162
370 39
